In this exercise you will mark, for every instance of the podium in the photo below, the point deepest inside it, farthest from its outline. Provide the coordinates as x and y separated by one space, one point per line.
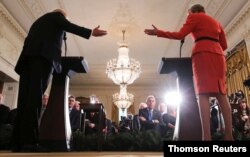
55 129
188 123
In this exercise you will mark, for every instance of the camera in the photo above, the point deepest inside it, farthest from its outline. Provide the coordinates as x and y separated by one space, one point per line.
247 82
239 94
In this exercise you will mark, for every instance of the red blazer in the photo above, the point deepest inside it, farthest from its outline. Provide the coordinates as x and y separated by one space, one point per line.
200 25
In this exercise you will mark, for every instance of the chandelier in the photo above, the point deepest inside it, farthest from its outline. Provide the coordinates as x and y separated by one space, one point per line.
124 70
123 100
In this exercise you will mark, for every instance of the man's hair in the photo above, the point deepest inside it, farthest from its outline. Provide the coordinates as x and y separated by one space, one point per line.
72 97
197 8
150 96
61 11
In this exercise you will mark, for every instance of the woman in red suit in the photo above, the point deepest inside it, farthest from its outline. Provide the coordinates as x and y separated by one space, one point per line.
208 63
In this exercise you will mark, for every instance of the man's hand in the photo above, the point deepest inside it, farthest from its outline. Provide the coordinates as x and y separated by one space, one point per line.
156 121
91 125
151 31
98 32
142 118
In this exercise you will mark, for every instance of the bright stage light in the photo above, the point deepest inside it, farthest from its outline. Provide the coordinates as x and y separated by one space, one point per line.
173 98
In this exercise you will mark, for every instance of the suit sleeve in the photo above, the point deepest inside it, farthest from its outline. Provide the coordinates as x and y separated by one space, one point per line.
160 119
67 26
222 39
187 27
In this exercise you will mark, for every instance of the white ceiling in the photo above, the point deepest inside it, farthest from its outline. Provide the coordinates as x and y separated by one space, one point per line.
165 14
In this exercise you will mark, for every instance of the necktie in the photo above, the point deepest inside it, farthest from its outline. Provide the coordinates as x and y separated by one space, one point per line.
150 115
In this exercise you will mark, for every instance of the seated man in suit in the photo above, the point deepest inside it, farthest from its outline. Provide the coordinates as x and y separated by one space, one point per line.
74 115
93 123
150 118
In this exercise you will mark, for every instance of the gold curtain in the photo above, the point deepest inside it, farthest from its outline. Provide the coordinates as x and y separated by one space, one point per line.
237 69
131 109
115 114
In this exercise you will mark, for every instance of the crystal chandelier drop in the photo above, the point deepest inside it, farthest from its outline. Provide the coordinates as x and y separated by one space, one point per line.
123 100
124 70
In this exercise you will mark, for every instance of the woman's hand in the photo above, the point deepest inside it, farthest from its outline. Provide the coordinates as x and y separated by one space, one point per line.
151 31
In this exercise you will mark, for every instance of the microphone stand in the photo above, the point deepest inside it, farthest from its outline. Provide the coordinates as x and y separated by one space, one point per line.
81 113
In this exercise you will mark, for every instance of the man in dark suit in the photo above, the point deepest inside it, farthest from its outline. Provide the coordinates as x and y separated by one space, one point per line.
74 114
41 55
150 118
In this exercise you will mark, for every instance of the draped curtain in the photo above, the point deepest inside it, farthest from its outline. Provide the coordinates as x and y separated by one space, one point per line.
237 69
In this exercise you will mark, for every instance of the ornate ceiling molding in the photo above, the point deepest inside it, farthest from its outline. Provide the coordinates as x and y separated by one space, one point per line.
6 17
238 20
216 8
219 10
33 8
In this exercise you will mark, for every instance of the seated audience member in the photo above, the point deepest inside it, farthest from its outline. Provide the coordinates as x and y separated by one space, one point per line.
214 116
45 99
125 126
4 111
136 126
244 114
92 123
142 105
162 107
77 105
169 118
114 128
150 118
74 115
107 129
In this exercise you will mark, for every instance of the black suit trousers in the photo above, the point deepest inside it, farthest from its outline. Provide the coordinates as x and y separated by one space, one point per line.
34 77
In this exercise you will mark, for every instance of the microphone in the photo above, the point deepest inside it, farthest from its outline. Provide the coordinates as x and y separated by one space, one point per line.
65 44
64 36
182 42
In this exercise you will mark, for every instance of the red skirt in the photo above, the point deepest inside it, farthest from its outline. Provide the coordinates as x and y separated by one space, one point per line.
209 71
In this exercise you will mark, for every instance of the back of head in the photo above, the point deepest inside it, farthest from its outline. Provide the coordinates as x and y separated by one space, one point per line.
61 11
197 8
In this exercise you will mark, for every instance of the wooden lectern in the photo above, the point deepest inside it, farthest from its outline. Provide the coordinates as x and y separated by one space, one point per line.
188 124
55 129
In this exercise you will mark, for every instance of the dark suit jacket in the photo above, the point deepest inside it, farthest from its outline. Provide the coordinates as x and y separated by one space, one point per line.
95 119
148 124
45 39
74 119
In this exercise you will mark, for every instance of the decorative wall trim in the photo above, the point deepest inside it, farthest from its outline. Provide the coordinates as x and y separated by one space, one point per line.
216 8
33 8
238 20
6 16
